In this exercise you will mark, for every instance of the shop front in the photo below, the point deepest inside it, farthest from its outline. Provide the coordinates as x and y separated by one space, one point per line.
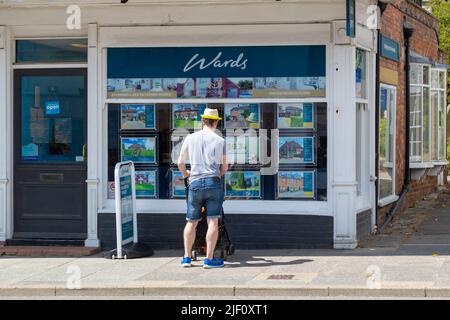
297 102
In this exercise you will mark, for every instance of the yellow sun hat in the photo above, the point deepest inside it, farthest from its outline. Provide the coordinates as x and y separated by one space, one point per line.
211 114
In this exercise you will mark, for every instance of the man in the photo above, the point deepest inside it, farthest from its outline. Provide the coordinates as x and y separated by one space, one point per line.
205 151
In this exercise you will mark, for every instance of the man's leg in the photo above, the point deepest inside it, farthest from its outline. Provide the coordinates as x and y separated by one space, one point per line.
189 237
211 236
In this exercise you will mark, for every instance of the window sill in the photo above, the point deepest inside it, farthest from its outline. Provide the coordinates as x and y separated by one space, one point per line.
388 200
421 165
440 163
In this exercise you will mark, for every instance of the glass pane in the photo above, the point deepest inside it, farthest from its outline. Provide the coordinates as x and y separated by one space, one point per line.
386 142
434 125
442 76
361 76
416 106
52 50
442 119
415 73
359 133
434 78
53 112
426 124
426 75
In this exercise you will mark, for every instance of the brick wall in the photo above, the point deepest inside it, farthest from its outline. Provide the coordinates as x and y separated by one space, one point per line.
423 42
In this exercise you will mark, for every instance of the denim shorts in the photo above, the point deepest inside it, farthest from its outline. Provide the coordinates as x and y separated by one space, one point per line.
208 193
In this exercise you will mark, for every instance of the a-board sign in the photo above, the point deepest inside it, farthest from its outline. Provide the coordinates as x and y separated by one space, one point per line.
125 197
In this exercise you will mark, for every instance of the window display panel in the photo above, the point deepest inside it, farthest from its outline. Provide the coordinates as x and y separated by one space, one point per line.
242 116
243 149
296 184
295 116
137 116
146 183
158 149
296 150
177 186
138 149
243 184
187 115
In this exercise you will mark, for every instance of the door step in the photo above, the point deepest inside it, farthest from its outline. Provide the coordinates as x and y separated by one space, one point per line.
47 251
44 242
46 248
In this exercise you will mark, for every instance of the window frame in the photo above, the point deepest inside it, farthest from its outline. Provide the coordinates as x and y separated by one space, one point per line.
419 159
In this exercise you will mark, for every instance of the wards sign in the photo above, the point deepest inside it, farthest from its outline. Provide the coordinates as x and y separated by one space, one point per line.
216 62
239 62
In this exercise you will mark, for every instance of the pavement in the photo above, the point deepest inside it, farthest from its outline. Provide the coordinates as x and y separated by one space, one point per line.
411 259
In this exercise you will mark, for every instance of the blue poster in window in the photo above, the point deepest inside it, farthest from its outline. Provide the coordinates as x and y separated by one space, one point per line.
308 150
308 114
308 183
52 108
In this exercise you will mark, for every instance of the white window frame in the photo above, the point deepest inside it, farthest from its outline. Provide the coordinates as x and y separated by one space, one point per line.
364 190
440 91
393 196
418 161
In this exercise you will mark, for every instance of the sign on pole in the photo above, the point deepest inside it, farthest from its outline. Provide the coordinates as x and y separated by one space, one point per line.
351 18
126 220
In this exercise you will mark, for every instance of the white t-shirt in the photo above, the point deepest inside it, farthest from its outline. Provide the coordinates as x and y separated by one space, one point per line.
205 150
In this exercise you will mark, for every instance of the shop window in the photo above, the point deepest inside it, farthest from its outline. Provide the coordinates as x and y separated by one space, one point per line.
362 122
361 74
51 50
386 151
243 83
151 136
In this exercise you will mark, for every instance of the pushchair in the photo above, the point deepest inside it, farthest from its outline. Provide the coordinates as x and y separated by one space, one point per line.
223 240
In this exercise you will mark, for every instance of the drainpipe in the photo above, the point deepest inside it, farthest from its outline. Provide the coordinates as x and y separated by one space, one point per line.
407 33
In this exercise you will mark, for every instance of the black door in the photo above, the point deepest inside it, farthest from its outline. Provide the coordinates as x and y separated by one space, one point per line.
50 154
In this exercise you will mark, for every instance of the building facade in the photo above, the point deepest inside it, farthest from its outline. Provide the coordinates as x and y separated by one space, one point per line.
412 107
74 102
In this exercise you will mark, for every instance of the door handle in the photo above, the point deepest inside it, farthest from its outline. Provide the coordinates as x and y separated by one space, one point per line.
373 178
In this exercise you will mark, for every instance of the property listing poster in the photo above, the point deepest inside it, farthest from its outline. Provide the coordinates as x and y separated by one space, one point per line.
296 184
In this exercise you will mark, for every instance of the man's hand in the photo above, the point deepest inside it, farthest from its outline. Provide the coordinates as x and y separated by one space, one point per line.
186 173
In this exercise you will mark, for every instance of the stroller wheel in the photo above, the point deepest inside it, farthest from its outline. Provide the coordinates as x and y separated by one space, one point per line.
223 254
231 250
194 255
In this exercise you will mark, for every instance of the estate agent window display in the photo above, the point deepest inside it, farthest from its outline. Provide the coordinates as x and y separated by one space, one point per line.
151 133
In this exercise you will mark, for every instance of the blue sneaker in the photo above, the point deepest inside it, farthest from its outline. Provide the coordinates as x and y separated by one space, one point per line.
186 262
213 263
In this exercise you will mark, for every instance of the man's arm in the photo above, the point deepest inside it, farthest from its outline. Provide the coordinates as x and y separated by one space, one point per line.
182 159
224 166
